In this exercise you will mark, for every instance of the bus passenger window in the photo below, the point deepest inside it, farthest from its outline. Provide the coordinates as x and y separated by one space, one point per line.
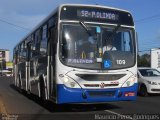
43 44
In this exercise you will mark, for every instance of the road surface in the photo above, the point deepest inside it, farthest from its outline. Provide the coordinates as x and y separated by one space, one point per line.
16 105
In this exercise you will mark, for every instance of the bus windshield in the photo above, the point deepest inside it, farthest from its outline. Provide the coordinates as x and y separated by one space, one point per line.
90 48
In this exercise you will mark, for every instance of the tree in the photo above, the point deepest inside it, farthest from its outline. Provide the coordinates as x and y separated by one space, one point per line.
144 60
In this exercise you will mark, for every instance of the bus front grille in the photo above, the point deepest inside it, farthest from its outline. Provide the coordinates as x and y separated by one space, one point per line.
104 77
98 85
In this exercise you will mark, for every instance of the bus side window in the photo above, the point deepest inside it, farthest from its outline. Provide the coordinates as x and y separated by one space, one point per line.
15 55
28 51
52 33
23 52
52 39
19 52
33 46
43 44
36 43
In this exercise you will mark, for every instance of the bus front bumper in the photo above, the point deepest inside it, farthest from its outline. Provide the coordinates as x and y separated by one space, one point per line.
78 95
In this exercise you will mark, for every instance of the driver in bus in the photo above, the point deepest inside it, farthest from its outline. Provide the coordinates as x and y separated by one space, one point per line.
109 46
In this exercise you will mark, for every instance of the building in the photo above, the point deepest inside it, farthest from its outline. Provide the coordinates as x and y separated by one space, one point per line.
155 58
4 55
5 64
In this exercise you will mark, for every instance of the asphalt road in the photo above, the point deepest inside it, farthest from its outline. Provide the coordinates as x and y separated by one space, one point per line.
16 105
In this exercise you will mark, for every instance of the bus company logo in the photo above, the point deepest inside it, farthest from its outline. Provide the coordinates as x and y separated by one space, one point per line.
102 85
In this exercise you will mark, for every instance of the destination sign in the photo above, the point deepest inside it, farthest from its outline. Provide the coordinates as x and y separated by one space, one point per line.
97 15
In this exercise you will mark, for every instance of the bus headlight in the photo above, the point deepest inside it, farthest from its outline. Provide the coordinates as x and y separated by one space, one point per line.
68 82
129 82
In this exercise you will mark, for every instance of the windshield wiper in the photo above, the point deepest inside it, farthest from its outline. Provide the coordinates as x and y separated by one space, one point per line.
85 27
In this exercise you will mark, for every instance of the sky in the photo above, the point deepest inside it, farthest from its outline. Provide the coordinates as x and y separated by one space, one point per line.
19 17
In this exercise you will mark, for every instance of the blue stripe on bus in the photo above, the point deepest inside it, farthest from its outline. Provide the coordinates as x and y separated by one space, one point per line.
74 95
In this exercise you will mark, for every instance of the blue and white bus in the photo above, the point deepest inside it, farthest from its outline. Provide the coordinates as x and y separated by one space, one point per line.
63 59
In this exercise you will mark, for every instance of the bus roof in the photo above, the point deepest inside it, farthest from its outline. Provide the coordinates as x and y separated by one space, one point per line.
91 5
58 8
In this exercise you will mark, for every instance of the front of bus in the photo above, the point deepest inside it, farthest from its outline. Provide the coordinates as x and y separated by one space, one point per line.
97 55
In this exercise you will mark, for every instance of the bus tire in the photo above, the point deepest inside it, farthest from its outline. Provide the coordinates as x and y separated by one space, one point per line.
143 90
